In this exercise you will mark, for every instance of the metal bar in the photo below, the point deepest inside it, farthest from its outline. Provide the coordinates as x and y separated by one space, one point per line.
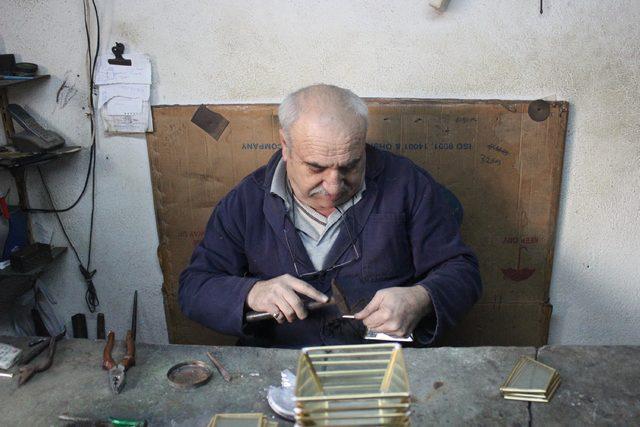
354 354
391 346
352 386
355 417
362 396
387 376
355 408
350 373
351 362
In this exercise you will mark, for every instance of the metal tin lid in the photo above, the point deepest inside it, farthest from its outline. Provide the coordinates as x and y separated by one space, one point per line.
190 374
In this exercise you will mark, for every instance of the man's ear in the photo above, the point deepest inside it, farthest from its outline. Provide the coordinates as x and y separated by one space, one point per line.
284 145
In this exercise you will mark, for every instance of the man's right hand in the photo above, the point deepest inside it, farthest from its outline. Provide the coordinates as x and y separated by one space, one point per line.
279 296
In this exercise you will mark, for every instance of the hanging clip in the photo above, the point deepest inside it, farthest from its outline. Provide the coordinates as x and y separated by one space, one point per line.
118 50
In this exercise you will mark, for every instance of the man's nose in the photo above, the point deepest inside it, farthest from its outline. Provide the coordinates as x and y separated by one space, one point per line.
332 181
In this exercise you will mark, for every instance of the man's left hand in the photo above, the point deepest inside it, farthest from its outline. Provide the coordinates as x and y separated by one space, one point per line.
396 311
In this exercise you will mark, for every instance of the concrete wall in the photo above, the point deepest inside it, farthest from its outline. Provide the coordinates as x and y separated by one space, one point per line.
256 51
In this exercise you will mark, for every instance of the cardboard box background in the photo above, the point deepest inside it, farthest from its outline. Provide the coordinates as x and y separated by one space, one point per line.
503 166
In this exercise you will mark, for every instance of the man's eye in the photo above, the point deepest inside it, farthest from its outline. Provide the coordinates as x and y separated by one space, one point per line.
315 169
346 170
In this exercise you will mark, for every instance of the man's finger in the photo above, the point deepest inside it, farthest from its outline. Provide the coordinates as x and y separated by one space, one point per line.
304 288
373 306
287 310
296 303
276 313
375 320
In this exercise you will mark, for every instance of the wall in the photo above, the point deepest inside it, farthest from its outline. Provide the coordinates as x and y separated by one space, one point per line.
257 51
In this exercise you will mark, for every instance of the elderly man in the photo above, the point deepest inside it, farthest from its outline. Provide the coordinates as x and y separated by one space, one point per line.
326 206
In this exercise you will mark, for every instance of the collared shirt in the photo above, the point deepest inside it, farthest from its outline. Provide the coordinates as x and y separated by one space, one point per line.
317 232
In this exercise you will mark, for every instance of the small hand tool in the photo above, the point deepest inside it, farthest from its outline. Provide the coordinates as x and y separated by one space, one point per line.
112 421
36 342
219 367
117 371
257 316
37 347
26 372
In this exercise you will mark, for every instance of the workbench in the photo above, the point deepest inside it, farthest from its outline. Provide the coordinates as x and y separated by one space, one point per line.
456 386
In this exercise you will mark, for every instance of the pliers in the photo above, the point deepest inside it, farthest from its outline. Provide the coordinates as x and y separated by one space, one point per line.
117 370
27 371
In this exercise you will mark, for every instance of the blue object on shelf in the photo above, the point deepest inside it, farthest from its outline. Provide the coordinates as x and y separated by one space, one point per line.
18 234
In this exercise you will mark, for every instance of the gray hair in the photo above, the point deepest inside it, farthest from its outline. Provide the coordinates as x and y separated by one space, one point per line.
343 100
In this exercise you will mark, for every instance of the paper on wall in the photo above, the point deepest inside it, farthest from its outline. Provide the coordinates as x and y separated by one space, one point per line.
106 92
123 95
127 123
139 72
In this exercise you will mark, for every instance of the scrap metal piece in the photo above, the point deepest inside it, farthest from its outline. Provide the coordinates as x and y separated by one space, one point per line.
225 374
338 297
209 121
539 110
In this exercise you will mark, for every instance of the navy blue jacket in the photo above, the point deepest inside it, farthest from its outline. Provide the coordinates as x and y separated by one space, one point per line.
401 233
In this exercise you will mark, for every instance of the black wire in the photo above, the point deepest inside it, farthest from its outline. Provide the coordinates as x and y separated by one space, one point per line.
91 296
84 189
46 188
92 152
93 183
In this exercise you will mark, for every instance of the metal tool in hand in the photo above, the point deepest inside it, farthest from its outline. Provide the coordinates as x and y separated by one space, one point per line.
117 370
337 299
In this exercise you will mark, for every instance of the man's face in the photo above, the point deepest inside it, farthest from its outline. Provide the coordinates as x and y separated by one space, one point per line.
325 161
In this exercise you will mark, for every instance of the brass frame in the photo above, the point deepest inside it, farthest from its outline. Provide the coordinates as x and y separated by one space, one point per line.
352 385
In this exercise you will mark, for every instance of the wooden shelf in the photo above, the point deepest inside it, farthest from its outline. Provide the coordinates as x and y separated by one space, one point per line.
15 283
4 83
10 159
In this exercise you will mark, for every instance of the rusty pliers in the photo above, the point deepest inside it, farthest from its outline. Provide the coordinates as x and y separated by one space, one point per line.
117 370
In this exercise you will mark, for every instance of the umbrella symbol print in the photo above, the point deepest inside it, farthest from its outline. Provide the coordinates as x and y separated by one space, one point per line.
518 274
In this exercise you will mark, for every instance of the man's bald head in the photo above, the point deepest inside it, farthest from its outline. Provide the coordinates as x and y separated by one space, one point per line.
323 133
328 105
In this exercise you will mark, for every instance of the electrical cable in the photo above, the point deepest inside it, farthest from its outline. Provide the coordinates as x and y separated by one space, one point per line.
91 296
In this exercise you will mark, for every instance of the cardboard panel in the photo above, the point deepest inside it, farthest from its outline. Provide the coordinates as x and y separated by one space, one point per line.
503 166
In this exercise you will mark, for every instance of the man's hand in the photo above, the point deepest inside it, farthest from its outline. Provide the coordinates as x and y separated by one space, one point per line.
396 311
280 297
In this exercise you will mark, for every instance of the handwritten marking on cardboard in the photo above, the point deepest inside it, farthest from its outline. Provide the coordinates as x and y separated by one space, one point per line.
490 160
525 240
498 148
